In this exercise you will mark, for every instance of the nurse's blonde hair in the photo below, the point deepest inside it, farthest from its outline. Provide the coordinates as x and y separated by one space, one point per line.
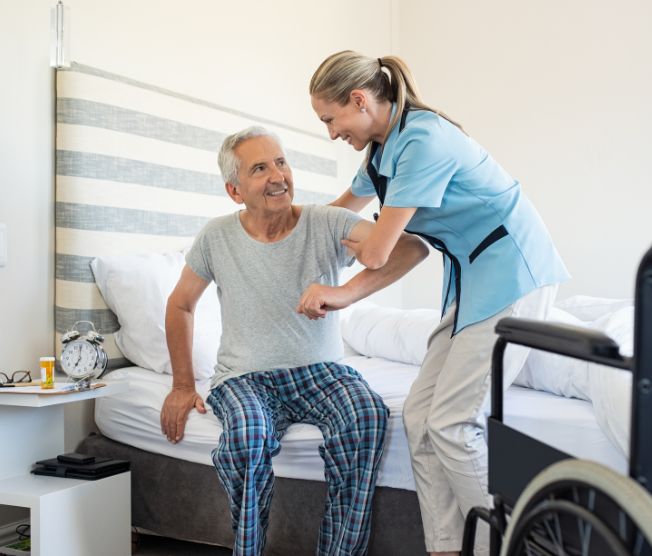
387 78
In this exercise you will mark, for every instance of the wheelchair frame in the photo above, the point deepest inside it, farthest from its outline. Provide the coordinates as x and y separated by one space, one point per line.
506 480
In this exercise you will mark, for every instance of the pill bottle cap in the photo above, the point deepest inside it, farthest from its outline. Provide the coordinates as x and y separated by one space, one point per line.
47 359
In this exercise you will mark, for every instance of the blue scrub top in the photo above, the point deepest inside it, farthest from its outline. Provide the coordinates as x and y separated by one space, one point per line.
496 247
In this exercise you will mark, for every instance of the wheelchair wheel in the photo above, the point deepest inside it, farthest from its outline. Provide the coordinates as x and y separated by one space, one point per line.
578 507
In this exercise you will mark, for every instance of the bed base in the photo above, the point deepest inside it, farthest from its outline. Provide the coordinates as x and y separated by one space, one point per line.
185 500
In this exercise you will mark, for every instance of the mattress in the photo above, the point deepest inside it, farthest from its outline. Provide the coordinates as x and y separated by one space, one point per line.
568 424
133 418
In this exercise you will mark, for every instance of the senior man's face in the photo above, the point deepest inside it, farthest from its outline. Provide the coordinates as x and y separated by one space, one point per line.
265 176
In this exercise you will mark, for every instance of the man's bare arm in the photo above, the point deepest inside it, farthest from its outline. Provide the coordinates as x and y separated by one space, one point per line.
179 319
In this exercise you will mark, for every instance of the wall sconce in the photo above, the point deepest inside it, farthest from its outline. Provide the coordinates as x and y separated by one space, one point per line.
60 36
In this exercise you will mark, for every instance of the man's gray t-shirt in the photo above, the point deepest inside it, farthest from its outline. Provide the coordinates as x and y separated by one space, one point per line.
259 286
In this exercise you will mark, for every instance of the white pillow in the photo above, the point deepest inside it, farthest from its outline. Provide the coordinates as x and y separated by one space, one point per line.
574 378
560 375
611 389
395 334
588 308
136 288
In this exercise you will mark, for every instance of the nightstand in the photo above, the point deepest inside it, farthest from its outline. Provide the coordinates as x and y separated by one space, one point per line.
68 517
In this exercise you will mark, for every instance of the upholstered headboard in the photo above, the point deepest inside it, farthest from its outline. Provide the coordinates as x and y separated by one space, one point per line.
136 172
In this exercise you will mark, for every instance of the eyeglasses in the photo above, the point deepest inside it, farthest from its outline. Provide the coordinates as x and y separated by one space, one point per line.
16 377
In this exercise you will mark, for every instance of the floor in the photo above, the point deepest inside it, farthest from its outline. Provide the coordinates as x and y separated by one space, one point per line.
151 545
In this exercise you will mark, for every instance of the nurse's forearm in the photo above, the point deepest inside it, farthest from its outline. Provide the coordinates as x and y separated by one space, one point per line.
350 201
374 250
407 254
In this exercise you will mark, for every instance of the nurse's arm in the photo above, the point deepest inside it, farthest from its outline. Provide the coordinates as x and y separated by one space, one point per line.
374 250
318 299
352 202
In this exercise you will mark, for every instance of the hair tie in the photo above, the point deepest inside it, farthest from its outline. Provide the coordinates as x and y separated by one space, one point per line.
380 63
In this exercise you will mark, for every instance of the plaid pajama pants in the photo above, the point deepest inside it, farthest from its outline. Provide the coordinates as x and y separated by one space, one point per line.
256 409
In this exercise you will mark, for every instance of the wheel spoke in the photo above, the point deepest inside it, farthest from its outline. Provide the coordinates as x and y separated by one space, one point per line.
581 527
528 548
586 539
622 525
558 530
591 501
638 545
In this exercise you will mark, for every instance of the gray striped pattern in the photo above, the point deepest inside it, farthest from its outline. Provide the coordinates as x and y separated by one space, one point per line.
125 170
104 320
74 268
89 70
91 112
123 220
96 114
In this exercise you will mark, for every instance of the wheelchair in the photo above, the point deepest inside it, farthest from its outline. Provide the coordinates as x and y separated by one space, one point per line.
545 502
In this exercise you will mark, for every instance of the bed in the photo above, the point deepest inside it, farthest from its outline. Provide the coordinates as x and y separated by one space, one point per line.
136 179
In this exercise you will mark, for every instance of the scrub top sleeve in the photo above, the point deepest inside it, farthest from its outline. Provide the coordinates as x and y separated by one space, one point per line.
362 185
424 168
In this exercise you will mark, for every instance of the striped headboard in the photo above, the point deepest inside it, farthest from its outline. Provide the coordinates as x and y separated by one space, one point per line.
136 172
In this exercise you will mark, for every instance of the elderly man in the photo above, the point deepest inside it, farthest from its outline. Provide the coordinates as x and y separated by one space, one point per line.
274 366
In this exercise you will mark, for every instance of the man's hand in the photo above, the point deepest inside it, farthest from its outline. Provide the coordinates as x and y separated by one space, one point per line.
176 407
318 299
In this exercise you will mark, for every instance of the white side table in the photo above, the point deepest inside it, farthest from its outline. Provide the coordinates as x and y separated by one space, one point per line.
68 517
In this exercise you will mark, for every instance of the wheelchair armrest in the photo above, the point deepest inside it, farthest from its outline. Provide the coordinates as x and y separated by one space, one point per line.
564 339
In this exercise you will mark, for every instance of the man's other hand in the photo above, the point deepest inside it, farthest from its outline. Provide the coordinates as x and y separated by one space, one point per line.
174 412
318 299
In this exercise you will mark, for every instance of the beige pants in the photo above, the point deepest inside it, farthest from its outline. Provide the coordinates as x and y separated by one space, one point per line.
444 417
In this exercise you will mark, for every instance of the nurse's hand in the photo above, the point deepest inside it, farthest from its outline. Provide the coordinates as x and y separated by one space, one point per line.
354 247
318 299
373 259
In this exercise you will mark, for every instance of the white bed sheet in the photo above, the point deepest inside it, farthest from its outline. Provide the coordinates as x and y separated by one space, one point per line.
133 418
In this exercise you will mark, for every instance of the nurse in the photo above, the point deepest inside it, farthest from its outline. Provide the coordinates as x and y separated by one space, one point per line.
433 180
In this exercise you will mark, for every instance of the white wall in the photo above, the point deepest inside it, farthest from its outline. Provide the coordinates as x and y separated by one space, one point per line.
26 185
559 92
26 190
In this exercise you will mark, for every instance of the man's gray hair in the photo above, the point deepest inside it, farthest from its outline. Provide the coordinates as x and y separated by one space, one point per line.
228 161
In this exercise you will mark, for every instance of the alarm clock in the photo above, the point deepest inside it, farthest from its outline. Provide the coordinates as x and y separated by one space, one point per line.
83 357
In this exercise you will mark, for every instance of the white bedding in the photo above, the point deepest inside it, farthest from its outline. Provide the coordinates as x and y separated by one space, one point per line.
402 335
133 418
608 389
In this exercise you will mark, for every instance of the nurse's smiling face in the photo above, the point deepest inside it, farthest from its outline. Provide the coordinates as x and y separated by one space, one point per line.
352 123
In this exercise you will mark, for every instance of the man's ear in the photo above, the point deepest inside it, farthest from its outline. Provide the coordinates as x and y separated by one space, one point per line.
233 191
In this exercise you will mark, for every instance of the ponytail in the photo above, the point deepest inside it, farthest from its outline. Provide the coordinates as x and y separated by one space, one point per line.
405 91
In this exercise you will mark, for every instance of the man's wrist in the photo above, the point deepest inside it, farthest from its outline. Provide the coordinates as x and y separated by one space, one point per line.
350 290
183 386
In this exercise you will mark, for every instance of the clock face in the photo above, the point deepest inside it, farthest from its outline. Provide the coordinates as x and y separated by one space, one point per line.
79 359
